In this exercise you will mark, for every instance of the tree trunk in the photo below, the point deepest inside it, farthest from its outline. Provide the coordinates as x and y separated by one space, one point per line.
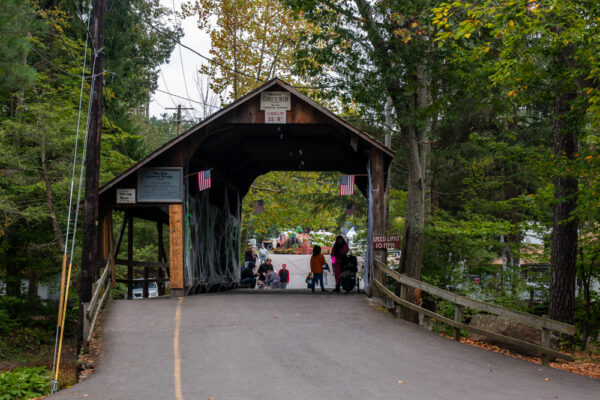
32 290
417 149
564 234
50 201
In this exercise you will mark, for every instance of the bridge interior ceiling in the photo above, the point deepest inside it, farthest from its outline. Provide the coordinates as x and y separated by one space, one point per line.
239 153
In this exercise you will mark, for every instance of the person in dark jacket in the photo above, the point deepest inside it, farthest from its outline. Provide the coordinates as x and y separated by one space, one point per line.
339 250
284 276
249 255
249 276
262 270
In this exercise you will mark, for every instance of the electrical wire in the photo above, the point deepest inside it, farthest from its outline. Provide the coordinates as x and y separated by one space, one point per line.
64 285
181 60
185 98
168 36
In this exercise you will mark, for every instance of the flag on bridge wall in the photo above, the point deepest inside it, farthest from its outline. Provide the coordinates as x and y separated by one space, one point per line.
204 180
259 206
347 185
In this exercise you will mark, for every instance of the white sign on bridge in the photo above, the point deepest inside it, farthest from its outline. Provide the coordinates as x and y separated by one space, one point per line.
275 116
275 101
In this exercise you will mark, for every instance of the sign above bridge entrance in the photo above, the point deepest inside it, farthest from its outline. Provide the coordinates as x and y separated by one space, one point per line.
275 101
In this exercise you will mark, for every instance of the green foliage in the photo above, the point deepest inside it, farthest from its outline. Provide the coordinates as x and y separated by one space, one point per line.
26 324
24 383
305 199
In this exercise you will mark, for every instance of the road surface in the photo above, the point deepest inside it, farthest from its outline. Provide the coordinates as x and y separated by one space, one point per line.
290 345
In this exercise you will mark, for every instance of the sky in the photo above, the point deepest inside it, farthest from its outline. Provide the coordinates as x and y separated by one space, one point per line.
175 75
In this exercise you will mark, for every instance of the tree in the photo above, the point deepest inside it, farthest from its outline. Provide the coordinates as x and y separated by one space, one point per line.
252 42
378 53
541 50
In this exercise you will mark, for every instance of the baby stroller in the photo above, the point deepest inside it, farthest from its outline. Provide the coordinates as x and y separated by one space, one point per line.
348 274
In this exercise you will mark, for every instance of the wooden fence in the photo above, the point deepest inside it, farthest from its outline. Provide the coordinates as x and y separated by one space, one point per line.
545 324
100 292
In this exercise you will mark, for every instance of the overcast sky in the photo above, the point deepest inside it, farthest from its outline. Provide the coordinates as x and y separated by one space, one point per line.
175 74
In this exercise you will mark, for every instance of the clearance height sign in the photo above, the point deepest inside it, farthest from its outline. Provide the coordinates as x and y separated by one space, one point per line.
386 242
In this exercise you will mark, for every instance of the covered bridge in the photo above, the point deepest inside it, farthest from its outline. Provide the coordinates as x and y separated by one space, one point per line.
273 128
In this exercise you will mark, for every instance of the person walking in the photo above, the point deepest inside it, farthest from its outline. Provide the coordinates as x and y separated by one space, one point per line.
263 253
316 267
339 250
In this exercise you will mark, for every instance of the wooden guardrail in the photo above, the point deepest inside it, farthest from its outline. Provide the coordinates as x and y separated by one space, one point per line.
100 291
545 324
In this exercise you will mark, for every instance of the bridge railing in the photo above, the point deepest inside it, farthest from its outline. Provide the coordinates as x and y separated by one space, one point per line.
91 310
545 324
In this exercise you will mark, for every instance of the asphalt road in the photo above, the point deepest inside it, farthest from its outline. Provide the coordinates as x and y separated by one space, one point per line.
290 345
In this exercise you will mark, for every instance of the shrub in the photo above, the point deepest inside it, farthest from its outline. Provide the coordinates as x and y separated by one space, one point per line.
24 383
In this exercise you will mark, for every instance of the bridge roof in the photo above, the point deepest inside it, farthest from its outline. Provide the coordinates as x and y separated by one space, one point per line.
239 146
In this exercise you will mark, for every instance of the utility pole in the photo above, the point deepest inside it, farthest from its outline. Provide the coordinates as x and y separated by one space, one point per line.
89 252
179 108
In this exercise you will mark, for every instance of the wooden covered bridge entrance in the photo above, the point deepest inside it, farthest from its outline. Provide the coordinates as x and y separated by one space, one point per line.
273 128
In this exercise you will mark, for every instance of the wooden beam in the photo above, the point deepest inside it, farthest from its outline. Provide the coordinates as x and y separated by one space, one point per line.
176 248
129 255
145 264
115 252
161 257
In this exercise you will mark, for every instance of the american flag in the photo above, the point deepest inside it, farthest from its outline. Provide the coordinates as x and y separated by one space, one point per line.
347 185
350 208
258 206
204 180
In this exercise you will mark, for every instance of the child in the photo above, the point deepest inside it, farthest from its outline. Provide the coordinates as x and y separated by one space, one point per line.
326 271
309 280
284 276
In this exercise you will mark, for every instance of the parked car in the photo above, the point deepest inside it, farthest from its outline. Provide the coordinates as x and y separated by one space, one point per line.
138 289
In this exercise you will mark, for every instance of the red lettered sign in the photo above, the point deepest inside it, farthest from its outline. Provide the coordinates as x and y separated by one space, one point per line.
386 242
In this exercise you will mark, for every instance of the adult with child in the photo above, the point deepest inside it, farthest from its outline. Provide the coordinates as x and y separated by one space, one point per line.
316 267
284 276
263 268
248 275
339 250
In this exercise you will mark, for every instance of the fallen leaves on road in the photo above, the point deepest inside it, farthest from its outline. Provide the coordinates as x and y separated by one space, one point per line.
400 381
585 364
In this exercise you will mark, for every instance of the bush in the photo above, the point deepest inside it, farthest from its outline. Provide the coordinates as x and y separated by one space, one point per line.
24 383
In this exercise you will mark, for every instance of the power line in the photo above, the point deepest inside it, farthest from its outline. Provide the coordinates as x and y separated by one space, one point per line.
185 98
168 36
167 87
181 59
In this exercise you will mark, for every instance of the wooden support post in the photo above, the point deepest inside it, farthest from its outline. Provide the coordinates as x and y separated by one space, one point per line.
378 179
161 258
545 343
400 309
145 282
457 318
129 256
115 252
176 249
